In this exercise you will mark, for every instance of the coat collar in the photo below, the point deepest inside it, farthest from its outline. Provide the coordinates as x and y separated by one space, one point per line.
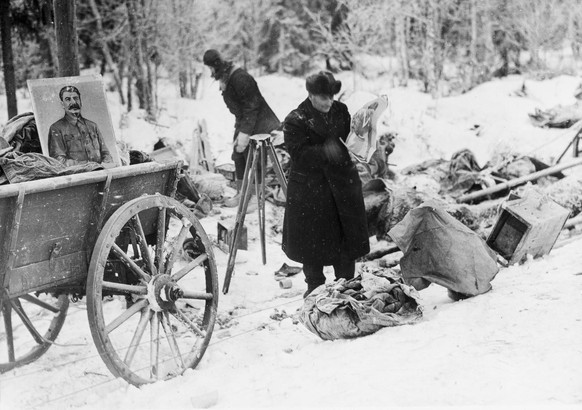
73 120
317 121
226 78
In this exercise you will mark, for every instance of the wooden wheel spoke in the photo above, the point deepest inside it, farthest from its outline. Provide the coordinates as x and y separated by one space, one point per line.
7 313
133 239
119 320
132 265
184 319
27 322
161 239
139 331
143 244
154 346
121 287
167 326
189 267
41 303
177 245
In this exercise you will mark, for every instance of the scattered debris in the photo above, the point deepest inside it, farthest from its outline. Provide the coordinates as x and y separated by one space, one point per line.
560 116
285 283
286 271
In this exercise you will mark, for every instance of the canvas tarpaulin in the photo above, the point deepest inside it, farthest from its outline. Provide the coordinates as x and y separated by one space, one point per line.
20 167
374 299
442 250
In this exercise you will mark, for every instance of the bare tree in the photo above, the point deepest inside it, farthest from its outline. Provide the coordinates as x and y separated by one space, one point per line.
402 28
572 12
539 22
67 41
105 49
144 91
8 59
363 31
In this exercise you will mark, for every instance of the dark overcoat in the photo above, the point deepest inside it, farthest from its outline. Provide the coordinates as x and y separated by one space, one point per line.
245 101
325 215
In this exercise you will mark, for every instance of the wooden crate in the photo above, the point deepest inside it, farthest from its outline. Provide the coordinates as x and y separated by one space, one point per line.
227 170
224 234
527 225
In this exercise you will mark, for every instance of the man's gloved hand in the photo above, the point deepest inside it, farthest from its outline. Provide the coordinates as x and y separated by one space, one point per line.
241 142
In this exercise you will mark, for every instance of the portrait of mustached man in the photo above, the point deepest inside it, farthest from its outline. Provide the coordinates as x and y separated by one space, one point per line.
74 139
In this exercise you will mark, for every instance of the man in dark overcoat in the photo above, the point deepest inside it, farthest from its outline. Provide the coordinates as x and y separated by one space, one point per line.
325 218
244 100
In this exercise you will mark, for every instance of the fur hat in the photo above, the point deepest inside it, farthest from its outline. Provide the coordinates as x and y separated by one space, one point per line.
323 83
212 58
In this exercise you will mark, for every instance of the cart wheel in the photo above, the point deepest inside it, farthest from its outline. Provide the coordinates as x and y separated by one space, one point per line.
152 305
31 323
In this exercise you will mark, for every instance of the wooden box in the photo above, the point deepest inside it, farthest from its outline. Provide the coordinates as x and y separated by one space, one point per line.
527 225
227 170
225 232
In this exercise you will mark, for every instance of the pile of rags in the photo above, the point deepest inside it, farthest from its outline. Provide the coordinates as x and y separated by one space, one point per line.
376 298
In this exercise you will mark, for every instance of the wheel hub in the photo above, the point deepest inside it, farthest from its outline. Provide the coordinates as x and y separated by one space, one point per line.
163 293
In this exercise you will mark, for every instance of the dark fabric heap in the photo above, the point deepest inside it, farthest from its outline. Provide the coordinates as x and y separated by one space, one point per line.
374 299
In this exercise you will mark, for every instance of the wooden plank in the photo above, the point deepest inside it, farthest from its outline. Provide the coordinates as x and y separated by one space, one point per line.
98 216
173 181
124 190
7 207
66 181
12 236
68 269
62 216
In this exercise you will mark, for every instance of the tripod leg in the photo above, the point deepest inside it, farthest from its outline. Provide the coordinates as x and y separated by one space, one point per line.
260 187
240 215
277 167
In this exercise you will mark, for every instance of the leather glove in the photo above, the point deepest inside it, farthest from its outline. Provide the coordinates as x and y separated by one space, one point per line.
241 142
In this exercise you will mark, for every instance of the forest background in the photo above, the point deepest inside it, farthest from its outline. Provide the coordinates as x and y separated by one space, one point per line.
449 46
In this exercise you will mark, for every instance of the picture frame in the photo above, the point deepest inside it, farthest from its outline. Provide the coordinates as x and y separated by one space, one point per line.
49 110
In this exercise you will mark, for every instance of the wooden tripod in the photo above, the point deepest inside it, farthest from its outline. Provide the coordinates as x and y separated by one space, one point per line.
575 144
260 146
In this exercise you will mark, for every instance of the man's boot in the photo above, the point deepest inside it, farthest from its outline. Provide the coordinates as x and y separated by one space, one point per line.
234 201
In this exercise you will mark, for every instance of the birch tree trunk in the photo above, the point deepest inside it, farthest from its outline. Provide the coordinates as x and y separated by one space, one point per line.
430 46
136 47
400 27
474 34
474 59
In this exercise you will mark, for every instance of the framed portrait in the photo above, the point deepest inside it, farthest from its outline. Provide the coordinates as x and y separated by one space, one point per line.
73 120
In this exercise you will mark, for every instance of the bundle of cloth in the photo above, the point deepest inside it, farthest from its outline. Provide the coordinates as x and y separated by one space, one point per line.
376 298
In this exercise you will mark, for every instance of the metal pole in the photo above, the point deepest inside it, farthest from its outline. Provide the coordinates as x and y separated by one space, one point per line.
517 181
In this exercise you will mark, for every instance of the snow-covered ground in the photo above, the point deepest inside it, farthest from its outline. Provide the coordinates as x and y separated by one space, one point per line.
518 345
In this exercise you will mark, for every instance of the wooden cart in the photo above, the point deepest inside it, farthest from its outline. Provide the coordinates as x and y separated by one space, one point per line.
119 238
